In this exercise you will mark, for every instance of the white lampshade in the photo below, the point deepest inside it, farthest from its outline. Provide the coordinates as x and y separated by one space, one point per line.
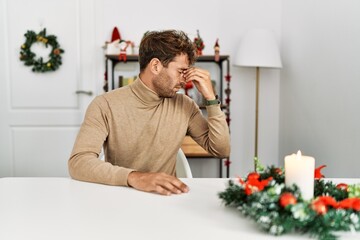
258 48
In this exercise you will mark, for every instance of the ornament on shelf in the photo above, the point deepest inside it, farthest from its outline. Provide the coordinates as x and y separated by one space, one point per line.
217 50
117 46
112 47
115 34
123 45
199 44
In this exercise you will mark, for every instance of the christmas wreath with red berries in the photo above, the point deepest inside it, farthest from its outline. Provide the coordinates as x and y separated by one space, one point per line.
278 209
38 64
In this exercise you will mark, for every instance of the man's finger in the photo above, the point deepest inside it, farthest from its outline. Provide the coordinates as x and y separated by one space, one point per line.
172 188
159 189
180 185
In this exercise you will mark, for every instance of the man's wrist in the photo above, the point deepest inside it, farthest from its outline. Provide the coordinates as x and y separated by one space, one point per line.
212 101
131 178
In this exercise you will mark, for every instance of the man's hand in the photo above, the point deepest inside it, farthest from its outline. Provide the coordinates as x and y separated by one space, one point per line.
157 182
202 80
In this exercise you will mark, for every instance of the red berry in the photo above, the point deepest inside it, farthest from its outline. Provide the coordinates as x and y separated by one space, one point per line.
286 199
319 207
342 186
253 176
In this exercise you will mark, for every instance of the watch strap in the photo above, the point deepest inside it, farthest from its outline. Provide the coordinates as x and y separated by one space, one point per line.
212 102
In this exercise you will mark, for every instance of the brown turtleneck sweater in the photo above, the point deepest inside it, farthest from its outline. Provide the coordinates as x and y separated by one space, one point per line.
142 131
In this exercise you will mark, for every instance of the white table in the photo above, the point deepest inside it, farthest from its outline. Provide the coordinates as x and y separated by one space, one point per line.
61 208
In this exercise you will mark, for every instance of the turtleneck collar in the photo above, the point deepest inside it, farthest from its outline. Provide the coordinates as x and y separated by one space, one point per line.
145 94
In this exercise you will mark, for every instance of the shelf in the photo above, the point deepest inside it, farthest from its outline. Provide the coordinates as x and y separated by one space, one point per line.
129 58
203 58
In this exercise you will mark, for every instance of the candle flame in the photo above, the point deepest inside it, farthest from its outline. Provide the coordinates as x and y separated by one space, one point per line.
298 155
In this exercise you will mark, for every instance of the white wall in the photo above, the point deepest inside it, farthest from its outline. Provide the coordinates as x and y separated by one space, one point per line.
238 17
320 83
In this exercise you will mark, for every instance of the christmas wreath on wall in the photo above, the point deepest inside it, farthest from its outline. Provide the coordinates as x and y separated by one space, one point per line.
38 64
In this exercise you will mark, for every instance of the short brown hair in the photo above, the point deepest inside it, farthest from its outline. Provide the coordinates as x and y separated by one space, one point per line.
165 45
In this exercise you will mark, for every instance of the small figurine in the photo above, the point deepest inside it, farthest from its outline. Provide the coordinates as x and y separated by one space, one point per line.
112 47
217 50
199 44
123 46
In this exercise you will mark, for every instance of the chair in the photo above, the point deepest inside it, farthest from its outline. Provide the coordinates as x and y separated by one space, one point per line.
182 166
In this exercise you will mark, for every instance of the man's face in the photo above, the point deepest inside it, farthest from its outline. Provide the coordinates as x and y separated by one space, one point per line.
170 79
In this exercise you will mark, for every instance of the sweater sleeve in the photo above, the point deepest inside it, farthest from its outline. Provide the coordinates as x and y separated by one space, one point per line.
212 134
84 163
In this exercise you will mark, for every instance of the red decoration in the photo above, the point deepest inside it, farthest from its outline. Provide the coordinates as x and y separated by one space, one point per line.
350 203
318 173
253 176
228 77
254 184
286 199
321 204
228 120
328 201
199 44
115 34
227 162
278 171
123 47
342 186
319 207
188 85
356 205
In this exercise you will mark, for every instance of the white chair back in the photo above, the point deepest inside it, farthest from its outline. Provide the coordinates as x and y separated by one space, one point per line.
182 166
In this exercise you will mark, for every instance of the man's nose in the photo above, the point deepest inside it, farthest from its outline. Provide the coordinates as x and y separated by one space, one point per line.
182 78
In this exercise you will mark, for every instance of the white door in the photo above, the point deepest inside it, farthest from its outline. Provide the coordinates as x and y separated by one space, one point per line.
41 112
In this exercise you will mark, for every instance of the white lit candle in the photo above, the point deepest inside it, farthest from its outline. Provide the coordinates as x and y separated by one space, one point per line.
299 170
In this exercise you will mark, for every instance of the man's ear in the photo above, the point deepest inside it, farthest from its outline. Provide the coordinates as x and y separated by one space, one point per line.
155 66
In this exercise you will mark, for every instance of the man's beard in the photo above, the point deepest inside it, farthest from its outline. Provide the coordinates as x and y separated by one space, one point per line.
163 85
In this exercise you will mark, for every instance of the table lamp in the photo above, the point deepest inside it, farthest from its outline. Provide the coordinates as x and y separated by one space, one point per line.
258 49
